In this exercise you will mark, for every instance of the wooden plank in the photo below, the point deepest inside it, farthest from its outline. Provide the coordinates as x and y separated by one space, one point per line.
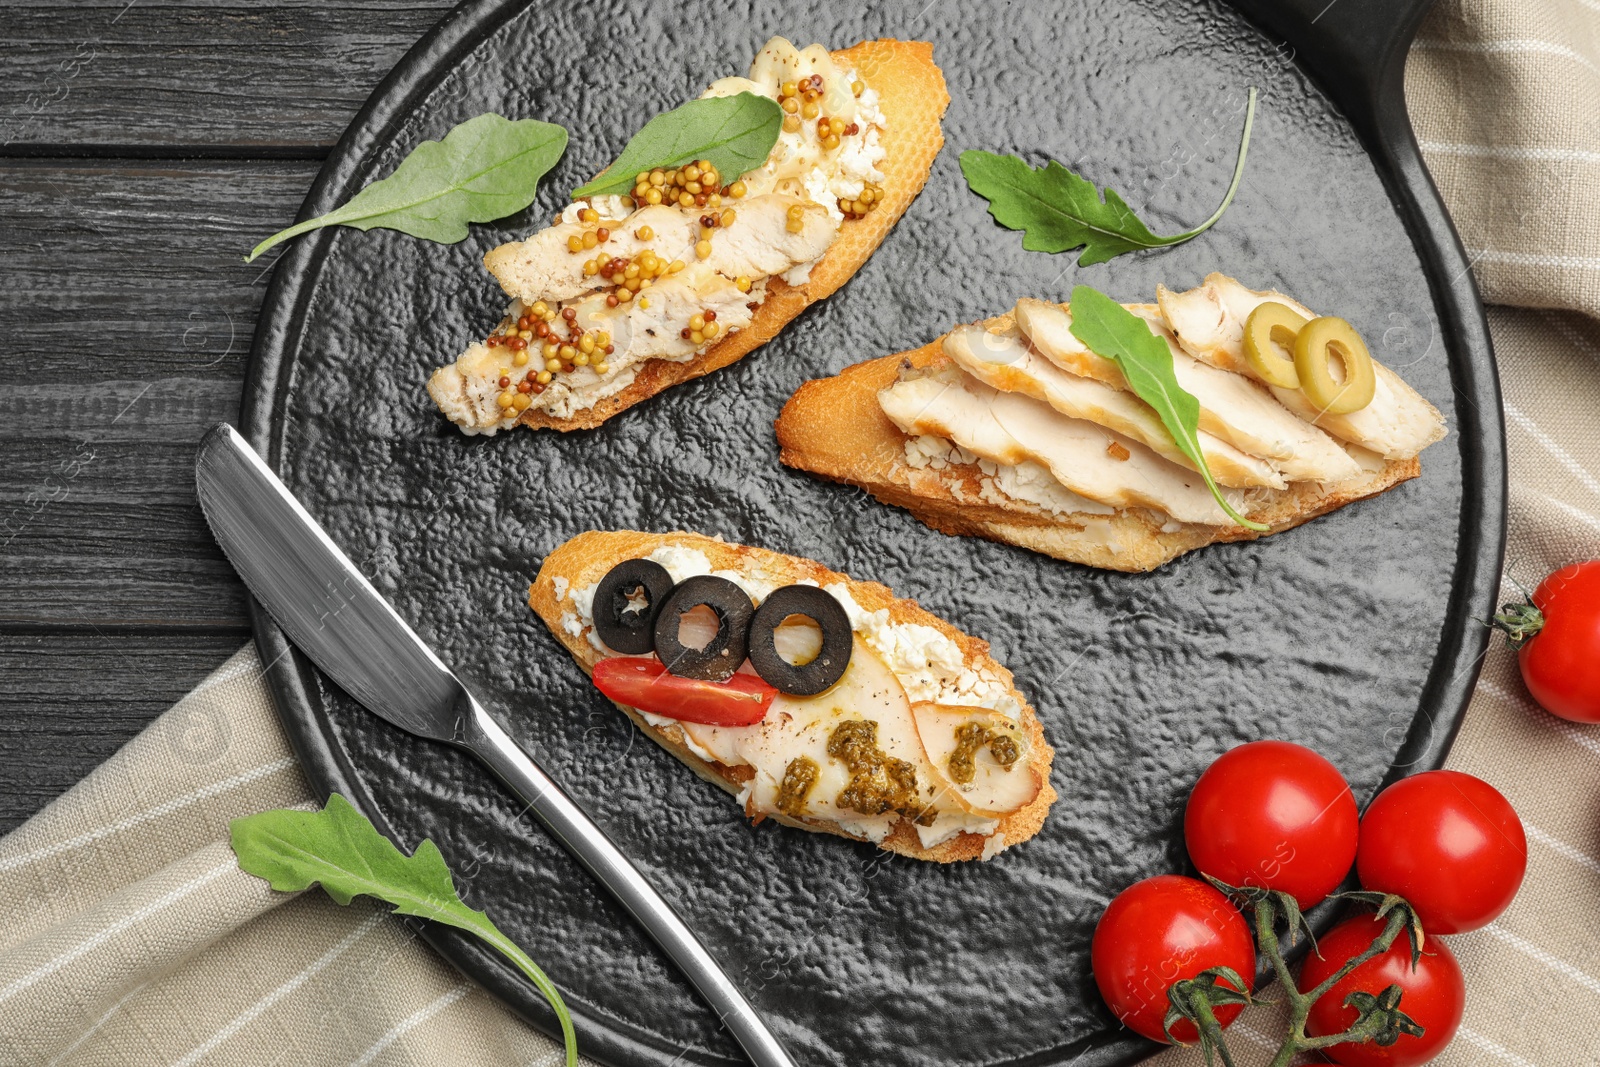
69 701
130 311
192 76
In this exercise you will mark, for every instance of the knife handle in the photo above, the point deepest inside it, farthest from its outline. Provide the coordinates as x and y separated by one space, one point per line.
487 740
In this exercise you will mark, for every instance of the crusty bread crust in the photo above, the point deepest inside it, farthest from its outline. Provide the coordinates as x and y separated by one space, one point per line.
585 559
913 97
834 427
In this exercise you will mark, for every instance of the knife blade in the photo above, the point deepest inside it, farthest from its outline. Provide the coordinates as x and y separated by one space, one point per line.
330 611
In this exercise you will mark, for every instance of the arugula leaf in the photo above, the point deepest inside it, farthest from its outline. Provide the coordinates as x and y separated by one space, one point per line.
736 133
1058 210
1113 331
485 169
340 849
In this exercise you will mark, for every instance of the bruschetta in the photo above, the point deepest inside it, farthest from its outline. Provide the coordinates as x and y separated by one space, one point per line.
818 701
624 296
1014 430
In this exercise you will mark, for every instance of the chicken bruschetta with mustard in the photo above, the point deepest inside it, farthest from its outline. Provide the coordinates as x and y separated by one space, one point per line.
626 295
1016 430
820 702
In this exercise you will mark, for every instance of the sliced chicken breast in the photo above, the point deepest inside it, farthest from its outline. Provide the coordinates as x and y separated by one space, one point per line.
1233 408
1208 322
1004 360
758 243
1087 459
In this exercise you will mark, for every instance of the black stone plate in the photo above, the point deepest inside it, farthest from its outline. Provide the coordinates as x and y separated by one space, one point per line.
1354 635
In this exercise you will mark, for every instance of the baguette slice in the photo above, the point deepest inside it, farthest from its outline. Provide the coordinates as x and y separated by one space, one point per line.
913 97
584 560
834 428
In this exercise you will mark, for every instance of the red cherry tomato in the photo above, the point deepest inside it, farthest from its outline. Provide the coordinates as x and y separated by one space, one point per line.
1433 994
1275 815
1561 662
1160 931
1447 842
642 682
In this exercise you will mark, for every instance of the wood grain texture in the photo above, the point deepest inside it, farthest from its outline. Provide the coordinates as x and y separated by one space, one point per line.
192 76
68 701
144 147
130 316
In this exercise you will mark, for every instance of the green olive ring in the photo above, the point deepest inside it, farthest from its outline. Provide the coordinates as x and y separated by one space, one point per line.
1319 342
1269 335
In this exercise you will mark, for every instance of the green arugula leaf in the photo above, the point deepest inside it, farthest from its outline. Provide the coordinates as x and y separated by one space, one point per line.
485 169
1113 331
736 133
338 848
1058 210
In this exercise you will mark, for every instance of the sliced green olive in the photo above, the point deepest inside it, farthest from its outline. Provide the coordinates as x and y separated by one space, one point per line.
1269 335
1322 341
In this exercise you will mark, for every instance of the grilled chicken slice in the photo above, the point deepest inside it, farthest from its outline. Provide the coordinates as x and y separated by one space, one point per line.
1090 460
1234 409
1209 324
758 243
1003 359
466 390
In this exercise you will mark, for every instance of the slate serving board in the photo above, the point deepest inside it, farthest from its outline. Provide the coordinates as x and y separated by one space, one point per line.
1353 635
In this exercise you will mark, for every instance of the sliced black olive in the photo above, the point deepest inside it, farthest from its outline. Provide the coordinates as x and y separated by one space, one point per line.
722 655
837 640
624 623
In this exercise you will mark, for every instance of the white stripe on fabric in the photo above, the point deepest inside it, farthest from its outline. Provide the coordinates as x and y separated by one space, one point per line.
1509 151
1576 513
409 1023
72 955
1588 740
1483 1044
1589 481
1532 951
1514 46
98 1023
255 1011
1525 259
177 803
1561 848
228 674
1254 1036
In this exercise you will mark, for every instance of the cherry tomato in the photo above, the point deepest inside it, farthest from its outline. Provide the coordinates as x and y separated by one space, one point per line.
1160 931
1433 994
1447 842
1275 815
642 682
1561 661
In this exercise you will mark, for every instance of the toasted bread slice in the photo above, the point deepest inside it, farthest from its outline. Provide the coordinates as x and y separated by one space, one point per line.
584 560
835 428
913 97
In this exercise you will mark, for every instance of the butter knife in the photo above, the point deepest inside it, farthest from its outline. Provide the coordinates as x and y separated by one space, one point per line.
332 613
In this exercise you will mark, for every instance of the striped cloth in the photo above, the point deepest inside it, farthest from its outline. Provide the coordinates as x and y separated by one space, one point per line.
131 938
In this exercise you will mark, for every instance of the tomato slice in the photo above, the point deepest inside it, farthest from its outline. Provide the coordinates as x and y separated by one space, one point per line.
642 682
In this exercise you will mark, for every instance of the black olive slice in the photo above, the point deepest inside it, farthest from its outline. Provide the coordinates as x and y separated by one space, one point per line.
722 655
837 640
623 623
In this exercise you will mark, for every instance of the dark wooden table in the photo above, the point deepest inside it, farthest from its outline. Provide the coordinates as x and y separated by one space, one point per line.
145 146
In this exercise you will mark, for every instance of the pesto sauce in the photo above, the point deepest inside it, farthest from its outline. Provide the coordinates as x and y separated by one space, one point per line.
972 736
798 778
878 783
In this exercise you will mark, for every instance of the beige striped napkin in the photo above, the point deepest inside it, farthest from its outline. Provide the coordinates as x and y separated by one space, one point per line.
130 938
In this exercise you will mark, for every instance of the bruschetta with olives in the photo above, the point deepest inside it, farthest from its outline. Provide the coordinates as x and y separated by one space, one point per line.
1015 430
626 295
819 702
